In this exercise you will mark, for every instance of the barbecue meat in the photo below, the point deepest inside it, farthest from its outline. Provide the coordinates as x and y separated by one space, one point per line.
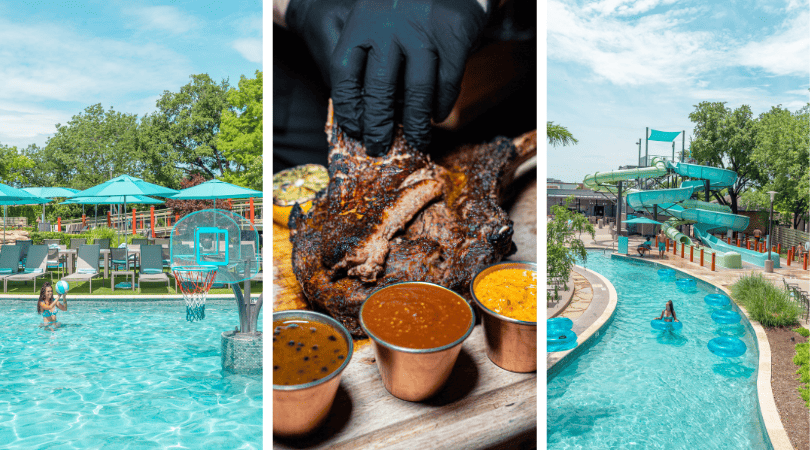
402 217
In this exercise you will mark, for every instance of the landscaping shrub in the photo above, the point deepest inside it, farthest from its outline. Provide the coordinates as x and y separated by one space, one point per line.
767 304
802 359
99 233
803 331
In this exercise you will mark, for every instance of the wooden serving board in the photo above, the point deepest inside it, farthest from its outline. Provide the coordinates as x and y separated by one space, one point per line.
482 405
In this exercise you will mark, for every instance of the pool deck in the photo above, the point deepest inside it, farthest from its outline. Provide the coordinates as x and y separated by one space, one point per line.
590 315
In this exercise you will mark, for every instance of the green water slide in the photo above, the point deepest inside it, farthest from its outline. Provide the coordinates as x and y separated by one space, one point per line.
677 204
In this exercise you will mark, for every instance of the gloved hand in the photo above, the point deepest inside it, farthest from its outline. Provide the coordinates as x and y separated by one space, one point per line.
425 42
319 23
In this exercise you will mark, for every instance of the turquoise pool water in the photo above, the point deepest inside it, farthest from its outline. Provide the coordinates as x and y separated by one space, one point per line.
645 389
123 376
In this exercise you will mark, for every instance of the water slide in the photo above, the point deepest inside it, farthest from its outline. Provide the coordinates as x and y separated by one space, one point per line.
682 209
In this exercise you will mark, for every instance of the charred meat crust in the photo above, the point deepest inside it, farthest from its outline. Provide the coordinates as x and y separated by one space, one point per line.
401 217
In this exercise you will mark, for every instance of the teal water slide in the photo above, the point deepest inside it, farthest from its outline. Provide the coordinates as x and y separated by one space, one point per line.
678 205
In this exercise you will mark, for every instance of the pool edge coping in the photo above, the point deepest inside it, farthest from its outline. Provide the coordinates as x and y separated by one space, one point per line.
767 403
591 331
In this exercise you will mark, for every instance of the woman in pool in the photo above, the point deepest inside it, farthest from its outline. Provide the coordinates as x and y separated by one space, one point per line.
47 305
668 314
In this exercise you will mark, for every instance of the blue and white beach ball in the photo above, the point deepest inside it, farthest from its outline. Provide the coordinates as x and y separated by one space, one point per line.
62 287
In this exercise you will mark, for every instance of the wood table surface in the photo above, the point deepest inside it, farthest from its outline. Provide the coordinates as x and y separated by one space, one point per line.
481 406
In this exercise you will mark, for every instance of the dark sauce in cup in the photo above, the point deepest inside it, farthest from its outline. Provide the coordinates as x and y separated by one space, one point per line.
305 351
416 315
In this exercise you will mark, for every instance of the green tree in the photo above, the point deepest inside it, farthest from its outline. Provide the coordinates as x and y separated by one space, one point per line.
93 146
240 135
559 135
564 249
180 138
725 138
13 165
781 152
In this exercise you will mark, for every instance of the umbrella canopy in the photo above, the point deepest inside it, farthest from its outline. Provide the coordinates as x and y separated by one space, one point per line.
114 200
215 189
14 196
50 192
642 220
125 185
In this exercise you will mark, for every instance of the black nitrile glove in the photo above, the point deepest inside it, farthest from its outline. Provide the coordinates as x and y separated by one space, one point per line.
426 42
319 23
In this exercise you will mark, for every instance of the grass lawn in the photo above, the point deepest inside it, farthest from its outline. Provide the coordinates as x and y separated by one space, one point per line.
101 287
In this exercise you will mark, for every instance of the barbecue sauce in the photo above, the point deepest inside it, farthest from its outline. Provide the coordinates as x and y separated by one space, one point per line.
305 351
416 315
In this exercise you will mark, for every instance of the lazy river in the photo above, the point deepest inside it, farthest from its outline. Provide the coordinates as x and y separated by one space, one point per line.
636 387
123 375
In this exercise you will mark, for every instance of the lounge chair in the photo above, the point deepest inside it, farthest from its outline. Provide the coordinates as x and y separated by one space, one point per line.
37 266
140 241
87 265
119 257
151 269
54 260
76 243
24 246
9 260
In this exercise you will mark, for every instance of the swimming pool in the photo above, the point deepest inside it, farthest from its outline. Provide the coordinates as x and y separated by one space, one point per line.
639 388
123 375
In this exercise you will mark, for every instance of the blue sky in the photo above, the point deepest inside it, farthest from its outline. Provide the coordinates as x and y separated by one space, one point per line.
618 66
57 58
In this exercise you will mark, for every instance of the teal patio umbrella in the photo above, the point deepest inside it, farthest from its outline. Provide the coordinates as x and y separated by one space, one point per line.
50 193
214 190
126 186
14 196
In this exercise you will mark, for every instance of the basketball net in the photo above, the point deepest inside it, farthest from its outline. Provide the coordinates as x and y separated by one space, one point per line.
194 283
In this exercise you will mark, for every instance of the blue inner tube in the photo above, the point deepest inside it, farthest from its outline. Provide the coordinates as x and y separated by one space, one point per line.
662 325
559 323
561 337
727 347
716 300
726 316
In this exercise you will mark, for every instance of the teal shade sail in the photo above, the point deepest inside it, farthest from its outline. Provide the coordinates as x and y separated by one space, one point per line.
663 136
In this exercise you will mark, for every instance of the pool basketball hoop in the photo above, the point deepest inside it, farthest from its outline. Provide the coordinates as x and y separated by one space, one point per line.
194 282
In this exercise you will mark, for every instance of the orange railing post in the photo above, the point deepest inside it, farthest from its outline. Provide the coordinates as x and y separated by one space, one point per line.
152 219
683 248
805 261
675 248
109 219
779 248
691 253
253 218
134 222
58 224
84 220
713 262
701 257
789 255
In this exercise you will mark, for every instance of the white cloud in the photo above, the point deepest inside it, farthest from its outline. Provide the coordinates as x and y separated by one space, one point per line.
787 52
650 50
49 62
22 124
165 18
249 48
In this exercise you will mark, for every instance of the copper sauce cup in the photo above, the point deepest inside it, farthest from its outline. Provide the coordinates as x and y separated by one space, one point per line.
511 343
299 409
415 374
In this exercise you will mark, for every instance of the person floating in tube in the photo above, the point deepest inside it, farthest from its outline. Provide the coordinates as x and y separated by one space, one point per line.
47 306
668 314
